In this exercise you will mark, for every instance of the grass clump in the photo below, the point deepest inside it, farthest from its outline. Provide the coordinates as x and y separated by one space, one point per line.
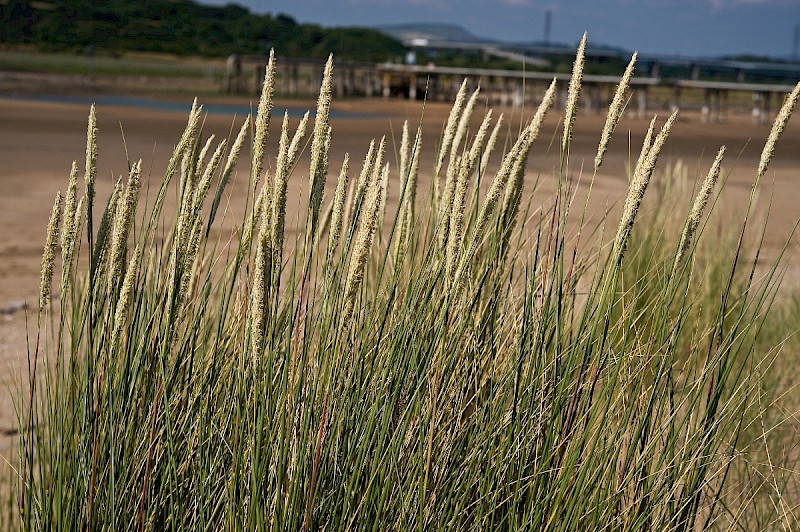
466 365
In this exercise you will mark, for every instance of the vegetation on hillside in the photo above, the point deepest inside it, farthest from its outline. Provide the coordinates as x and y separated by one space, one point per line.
180 27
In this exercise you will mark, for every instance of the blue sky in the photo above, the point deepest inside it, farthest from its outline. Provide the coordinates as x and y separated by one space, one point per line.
685 27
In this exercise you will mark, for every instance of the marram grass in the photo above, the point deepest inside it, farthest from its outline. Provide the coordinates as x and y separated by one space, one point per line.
465 367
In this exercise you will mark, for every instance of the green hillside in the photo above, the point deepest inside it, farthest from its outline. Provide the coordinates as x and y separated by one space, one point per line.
180 27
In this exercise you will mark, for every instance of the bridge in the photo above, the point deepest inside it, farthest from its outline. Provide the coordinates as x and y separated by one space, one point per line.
302 78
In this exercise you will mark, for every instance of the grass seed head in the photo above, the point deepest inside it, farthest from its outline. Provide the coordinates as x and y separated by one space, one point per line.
573 94
614 112
320 144
698 207
262 119
638 187
777 128
91 155
337 216
365 237
126 295
48 257
449 133
70 203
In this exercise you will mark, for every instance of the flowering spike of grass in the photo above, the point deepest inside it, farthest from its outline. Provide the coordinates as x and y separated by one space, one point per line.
535 125
363 244
280 165
513 188
49 255
489 149
366 169
70 204
777 128
413 172
573 94
262 120
287 158
189 257
449 134
463 126
126 212
698 207
204 183
70 237
187 141
126 295
614 112
496 188
259 306
384 194
201 158
639 183
647 143
409 199
319 145
105 233
230 165
453 168
479 141
405 153
337 216
373 160
456 225
91 156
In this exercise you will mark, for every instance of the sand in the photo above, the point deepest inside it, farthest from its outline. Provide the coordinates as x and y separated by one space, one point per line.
39 140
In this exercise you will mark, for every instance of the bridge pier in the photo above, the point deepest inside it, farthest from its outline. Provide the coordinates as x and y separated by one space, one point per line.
675 104
761 107
641 101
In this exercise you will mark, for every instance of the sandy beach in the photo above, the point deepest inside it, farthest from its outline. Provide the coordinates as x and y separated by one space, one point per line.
40 136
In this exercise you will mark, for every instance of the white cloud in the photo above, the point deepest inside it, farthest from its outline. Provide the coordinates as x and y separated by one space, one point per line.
721 4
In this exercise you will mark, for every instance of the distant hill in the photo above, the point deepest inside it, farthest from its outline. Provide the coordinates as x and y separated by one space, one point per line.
180 27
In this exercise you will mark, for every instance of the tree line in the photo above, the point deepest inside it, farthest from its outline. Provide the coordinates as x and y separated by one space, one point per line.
181 27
